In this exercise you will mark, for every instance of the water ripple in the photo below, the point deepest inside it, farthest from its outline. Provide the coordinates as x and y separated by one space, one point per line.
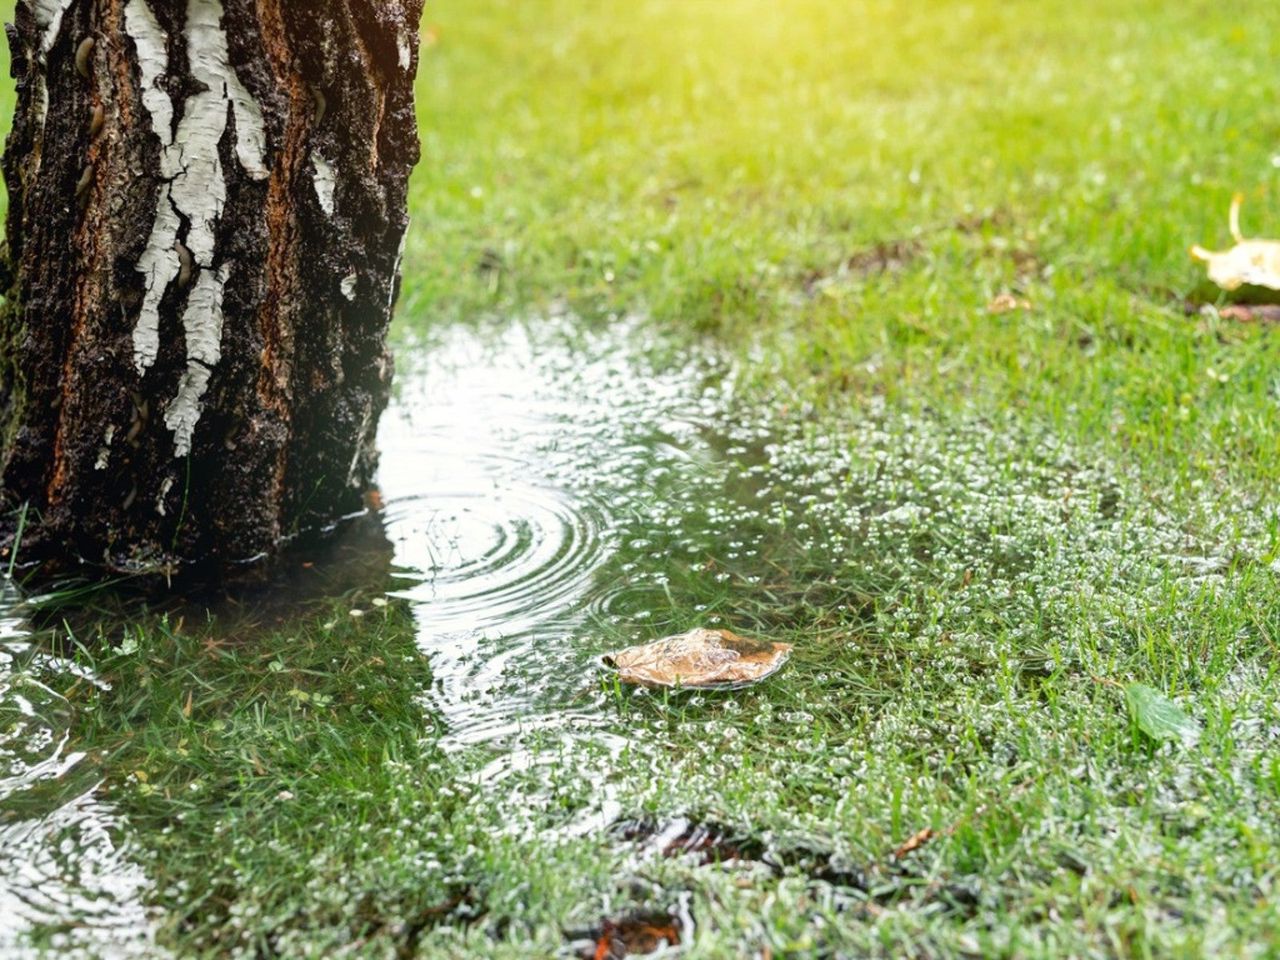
67 884
511 465
494 561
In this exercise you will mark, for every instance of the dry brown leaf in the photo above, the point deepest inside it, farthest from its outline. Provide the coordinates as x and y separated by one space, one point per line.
914 842
1252 262
699 658
1007 303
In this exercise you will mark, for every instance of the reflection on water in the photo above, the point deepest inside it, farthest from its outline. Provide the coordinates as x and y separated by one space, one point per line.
518 467
510 471
68 884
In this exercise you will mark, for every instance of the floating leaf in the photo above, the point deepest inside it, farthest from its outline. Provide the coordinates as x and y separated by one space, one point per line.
1159 717
1252 262
699 658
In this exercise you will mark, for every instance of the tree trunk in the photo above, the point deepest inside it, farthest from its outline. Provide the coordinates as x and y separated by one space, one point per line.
207 212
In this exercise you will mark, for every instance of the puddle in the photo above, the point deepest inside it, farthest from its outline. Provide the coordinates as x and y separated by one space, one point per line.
512 471
551 494
511 474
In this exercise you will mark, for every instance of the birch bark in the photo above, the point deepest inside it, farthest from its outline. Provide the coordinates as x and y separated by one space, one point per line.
207 212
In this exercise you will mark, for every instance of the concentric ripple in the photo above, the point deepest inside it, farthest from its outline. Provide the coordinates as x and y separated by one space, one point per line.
510 466
69 884
495 561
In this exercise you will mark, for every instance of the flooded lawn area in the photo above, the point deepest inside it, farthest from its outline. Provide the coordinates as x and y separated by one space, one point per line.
920 381
407 743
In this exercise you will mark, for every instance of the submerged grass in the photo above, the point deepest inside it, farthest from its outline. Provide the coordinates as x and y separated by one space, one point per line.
975 526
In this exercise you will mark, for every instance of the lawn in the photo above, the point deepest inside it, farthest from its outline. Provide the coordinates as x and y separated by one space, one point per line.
846 187
895 303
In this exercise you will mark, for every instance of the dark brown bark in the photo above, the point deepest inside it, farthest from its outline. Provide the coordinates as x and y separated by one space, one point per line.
308 244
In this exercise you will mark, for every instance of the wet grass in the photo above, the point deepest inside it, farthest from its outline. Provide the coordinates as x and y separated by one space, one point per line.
965 598
972 525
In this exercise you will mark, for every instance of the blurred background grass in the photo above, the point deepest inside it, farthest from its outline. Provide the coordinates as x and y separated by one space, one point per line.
684 149
842 188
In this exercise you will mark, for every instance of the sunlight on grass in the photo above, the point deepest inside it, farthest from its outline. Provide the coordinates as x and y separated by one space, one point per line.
746 167
916 374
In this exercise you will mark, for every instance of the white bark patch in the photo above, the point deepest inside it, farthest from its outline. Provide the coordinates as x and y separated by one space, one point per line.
326 181
406 51
195 189
164 493
48 15
202 323
211 65
199 188
153 63
104 451
159 263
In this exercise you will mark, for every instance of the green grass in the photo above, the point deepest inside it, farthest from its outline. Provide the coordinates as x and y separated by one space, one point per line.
974 527
714 165
965 600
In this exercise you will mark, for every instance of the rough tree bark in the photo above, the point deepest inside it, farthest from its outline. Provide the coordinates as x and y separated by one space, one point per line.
207 213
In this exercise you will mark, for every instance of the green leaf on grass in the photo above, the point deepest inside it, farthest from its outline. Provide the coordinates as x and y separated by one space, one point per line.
1159 717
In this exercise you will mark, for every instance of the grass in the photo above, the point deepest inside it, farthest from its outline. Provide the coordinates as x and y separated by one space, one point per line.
744 168
960 640
975 526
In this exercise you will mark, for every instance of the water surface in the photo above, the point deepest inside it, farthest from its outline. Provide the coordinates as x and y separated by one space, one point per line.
517 461
69 882
516 464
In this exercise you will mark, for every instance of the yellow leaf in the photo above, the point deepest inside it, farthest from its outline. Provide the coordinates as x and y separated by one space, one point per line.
1254 263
